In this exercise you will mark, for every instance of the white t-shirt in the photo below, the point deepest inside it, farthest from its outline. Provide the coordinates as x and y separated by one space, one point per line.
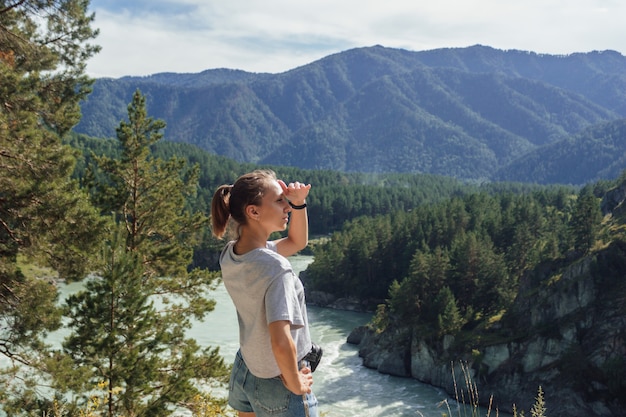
264 289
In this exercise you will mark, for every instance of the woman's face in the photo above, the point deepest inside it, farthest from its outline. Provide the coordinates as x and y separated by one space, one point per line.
273 213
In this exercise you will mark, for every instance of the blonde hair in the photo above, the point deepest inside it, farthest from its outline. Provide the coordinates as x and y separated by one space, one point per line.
230 201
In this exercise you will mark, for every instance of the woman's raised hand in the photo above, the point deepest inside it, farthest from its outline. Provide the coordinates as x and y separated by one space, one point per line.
296 192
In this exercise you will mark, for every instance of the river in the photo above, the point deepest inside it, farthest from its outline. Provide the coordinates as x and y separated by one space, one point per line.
342 385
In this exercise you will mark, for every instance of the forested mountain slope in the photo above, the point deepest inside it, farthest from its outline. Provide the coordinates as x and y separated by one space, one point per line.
598 152
465 112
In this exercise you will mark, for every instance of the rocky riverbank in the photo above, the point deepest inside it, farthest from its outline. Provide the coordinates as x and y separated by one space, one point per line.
566 333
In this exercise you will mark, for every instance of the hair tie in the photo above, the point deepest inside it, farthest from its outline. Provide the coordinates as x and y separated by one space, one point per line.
226 190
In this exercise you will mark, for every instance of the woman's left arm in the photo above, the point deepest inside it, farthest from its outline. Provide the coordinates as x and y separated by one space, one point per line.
298 234
296 380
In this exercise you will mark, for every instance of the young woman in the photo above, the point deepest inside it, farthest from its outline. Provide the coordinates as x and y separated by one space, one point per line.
269 376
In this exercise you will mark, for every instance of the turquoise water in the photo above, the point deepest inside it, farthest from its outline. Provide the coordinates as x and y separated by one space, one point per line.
343 386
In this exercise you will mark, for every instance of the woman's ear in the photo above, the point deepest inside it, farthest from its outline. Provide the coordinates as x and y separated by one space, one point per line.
252 212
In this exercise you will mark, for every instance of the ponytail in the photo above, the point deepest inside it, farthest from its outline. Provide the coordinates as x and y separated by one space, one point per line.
220 210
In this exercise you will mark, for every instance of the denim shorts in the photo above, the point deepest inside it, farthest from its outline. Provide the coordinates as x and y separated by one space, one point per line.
266 397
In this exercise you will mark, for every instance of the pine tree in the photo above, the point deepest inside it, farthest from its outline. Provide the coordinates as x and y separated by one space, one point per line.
586 220
449 318
128 326
44 218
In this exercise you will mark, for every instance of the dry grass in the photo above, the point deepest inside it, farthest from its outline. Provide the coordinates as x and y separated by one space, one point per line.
468 404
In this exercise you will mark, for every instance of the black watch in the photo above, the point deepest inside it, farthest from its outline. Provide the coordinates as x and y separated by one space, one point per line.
300 207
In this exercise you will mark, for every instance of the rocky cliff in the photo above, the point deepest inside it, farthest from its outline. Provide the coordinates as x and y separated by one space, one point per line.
566 333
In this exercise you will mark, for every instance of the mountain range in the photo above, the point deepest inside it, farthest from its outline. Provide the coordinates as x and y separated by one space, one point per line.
474 113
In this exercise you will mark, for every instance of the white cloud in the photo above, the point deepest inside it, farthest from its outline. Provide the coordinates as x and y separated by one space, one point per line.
278 35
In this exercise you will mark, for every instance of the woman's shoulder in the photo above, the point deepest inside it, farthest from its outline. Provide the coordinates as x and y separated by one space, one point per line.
270 258
271 252
262 258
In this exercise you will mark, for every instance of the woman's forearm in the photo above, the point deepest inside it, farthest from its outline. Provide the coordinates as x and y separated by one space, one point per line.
284 351
299 228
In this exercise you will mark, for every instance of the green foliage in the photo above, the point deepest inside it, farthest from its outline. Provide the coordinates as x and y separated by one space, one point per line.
128 325
41 82
45 219
380 321
594 154
449 317
586 218
477 246
42 61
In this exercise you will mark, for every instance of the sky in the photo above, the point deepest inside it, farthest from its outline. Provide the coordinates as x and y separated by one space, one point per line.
144 37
